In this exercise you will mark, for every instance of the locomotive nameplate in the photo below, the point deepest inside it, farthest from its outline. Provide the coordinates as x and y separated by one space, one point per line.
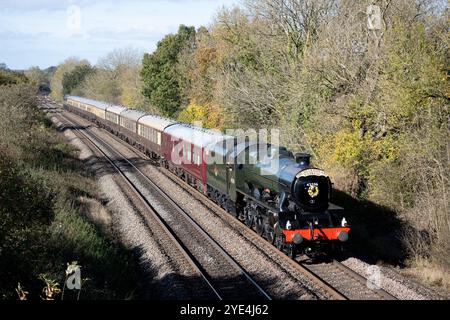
311 172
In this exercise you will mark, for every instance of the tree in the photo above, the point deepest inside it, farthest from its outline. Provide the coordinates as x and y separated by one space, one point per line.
116 79
37 77
12 77
74 78
161 83
56 81
372 106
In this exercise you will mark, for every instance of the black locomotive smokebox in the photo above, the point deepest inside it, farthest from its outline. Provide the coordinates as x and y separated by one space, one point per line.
312 192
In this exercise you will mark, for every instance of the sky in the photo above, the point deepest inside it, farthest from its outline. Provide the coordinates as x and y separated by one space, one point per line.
44 33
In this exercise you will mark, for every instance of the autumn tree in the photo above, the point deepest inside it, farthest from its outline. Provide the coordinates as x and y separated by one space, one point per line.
159 76
116 79
74 78
68 65
36 76
8 76
370 105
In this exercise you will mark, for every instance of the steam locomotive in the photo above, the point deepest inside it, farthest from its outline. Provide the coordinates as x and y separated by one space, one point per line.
278 194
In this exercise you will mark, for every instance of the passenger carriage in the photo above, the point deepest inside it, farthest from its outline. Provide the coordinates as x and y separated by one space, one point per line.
74 105
112 115
183 148
128 122
150 129
89 109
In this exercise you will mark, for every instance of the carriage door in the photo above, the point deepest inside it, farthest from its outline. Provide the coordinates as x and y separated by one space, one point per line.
231 181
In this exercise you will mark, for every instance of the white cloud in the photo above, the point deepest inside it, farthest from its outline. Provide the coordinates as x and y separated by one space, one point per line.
29 27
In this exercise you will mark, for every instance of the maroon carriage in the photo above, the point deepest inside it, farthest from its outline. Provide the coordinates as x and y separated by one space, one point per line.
183 150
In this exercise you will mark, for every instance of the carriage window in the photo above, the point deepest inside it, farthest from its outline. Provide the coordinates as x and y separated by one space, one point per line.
196 156
188 152
159 138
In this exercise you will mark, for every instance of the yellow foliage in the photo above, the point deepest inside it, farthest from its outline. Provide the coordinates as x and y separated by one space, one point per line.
131 97
348 148
209 116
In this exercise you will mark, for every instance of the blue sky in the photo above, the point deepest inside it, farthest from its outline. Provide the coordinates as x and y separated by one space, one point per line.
46 32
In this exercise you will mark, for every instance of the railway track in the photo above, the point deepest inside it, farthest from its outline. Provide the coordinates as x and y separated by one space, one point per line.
347 281
338 281
222 275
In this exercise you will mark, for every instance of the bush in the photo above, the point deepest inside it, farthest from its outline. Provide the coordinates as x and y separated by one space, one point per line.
41 229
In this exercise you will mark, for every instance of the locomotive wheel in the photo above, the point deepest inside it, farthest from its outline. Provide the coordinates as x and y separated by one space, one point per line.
260 226
270 235
249 221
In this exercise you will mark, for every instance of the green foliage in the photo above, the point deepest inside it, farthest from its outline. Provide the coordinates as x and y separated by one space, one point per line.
11 77
74 78
161 81
373 108
56 80
41 228
40 78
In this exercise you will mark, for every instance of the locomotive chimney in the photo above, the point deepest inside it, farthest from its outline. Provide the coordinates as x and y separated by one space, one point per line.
303 159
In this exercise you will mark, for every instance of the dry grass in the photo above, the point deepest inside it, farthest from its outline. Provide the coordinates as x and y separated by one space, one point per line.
93 210
430 273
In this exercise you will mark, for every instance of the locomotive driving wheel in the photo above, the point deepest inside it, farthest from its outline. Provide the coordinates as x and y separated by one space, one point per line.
249 220
248 216
260 226
270 234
